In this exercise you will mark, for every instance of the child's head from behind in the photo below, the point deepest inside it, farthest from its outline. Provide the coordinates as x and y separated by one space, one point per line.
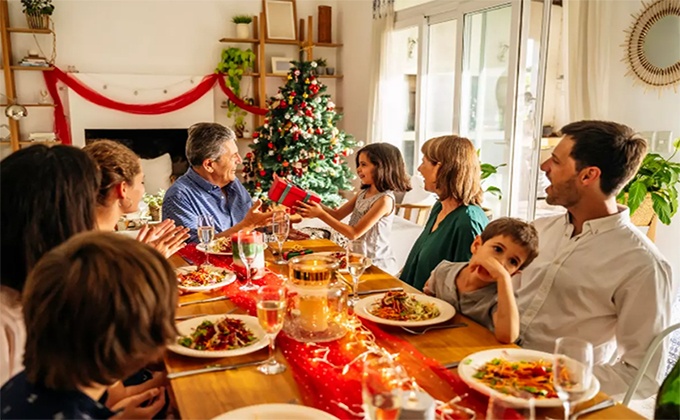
98 308
512 242
382 165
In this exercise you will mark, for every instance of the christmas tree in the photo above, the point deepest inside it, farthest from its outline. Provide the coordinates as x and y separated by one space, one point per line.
299 140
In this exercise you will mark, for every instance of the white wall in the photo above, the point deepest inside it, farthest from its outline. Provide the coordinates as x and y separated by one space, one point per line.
645 110
180 38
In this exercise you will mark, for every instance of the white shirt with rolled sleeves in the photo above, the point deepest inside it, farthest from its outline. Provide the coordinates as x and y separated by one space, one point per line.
608 285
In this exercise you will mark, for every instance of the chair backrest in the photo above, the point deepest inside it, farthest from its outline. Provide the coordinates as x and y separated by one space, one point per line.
651 350
422 211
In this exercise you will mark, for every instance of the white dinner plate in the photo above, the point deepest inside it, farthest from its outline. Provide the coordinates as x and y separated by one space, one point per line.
446 311
228 277
332 254
187 327
201 248
471 364
276 412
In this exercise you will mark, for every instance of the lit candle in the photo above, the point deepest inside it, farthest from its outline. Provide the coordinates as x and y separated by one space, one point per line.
313 303
416 405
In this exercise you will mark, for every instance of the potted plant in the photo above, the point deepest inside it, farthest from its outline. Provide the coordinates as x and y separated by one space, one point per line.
320 66
653 189
488 170
37 13
242 25
155 203
234 64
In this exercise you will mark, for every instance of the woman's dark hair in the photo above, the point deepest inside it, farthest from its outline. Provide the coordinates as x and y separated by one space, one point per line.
390 170
48 195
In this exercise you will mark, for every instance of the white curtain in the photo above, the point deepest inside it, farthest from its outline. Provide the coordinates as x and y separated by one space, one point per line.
387 100
588 42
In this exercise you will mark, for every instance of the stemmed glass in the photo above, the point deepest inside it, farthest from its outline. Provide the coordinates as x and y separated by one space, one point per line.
357 262
250 243
381 388
271 307
280 230
502 408
572 370
206 233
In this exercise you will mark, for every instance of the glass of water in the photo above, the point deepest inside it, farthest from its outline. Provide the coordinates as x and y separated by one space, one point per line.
280 230
205 229
357 263
572 370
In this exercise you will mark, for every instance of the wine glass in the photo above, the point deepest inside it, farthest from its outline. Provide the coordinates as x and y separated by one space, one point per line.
572 370
250 243
271 307
206 233
381 388
503 409
280 230
357 262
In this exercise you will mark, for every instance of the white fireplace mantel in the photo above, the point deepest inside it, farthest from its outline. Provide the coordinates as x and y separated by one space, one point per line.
149 89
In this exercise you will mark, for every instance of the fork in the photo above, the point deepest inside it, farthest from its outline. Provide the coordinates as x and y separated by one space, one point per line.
434 327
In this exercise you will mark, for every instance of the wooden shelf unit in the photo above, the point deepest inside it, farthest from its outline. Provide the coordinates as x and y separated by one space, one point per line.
259 42
8 68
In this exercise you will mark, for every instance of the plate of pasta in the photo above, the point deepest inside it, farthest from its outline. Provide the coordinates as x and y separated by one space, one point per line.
517 375
219 336
203 279
219 246
404 309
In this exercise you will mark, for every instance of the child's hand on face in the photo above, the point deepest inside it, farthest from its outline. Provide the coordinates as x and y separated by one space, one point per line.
488 269
309 209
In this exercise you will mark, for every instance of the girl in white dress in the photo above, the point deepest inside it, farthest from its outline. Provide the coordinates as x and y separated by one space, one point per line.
381 169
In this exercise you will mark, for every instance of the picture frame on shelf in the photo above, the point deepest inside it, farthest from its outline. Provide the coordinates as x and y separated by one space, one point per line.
281 18
281 65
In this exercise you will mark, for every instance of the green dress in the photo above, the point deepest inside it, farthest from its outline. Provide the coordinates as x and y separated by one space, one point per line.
451 241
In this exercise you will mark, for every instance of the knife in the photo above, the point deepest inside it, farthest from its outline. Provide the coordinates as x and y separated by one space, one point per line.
370 292
451 365
183 317
194 302
212 368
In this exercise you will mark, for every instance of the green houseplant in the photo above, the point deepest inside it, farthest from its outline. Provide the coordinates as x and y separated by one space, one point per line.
488 170
234 64
242 25
657 182
155 203
37 12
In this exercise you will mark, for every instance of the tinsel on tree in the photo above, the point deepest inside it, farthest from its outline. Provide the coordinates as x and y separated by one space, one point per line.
299 140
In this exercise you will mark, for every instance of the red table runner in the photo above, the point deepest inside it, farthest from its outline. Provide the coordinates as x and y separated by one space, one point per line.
321 371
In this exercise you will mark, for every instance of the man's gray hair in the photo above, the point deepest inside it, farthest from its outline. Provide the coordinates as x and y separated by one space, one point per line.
207 141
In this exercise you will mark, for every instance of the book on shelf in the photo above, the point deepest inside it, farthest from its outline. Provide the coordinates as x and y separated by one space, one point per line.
42 137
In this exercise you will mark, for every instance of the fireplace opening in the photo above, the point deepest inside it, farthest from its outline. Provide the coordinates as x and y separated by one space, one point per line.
149 143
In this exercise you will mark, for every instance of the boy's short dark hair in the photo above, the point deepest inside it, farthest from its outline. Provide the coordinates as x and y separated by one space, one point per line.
521 232
97 308
614 148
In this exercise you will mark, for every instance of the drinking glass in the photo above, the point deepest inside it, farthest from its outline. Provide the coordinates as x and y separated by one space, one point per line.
271 307
381 388
504 409
250 243
357 262
280 230
206 233
572 370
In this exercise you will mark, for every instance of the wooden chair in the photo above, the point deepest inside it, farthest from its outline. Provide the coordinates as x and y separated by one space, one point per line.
422 211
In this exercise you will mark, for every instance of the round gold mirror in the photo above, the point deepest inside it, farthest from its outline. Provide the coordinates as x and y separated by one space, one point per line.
653 45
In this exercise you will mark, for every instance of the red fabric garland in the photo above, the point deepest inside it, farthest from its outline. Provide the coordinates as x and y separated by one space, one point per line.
61 126
323 386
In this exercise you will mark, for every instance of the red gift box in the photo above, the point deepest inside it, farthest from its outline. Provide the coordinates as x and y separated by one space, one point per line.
288 194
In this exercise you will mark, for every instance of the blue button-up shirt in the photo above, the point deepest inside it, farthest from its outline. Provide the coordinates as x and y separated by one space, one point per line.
192 195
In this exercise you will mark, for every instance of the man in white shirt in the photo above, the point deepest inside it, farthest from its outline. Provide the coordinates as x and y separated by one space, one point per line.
597 277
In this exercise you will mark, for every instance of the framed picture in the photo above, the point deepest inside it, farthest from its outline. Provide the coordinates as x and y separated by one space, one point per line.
281 65
280 16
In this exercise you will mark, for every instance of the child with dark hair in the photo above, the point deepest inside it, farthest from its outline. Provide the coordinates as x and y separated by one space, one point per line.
482 289
98 308
382 171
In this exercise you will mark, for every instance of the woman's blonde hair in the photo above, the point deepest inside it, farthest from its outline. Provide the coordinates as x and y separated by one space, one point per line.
98 308
116 163
459 175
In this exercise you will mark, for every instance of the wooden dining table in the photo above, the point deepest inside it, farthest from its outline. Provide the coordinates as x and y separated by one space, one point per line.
209 394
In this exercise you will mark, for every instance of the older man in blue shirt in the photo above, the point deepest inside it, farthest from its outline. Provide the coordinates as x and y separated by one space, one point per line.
210 185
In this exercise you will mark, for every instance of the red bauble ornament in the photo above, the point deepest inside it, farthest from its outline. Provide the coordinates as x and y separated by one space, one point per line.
270 145
279 158
283 105
319 131
296 136
308 112
258 185
263 172
322 157
256 135
285 164
249 155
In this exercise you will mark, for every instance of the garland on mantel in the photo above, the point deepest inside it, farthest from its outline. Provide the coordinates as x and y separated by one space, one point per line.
61 127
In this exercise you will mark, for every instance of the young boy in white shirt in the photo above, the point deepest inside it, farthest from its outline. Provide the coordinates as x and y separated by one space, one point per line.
482 288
